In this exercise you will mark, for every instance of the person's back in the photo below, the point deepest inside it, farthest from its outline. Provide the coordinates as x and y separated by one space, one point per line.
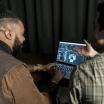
87 85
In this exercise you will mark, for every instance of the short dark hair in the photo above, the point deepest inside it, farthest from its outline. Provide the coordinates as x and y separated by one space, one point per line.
11 21
100 20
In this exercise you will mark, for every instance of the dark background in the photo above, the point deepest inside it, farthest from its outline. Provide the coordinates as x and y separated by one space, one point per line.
49 21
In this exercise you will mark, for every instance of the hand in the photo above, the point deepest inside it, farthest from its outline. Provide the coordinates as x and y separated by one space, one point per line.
87 50
46 67
57 75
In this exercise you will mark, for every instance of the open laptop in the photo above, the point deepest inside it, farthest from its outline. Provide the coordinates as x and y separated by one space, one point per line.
68 58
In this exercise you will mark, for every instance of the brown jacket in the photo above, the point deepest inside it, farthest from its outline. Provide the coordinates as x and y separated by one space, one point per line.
16 82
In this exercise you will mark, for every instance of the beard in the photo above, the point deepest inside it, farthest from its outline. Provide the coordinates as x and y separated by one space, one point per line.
17 47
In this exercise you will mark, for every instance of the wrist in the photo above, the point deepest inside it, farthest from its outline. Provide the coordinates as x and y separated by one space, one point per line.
38 67
35 68
94 54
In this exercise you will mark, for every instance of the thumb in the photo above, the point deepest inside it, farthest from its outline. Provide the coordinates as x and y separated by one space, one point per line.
88 45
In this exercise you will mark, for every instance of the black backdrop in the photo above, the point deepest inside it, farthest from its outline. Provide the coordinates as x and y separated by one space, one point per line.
49 21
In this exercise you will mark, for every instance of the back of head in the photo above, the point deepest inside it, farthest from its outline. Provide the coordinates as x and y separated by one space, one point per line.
6 15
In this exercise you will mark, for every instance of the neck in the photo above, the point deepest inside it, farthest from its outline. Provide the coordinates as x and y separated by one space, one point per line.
8 44
5 47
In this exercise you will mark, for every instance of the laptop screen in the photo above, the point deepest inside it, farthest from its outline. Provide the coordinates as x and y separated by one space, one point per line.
67 54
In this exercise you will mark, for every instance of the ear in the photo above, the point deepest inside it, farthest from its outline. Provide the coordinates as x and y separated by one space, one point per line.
9 34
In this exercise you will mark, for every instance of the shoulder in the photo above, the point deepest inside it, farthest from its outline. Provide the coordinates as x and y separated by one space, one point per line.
5 57
89 67
9 60
98 59
8 63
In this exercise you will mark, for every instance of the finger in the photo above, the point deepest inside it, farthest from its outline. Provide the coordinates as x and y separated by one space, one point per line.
51 65
88 45
80 50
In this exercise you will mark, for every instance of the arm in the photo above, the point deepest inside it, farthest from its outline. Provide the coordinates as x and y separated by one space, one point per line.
57 76
40 67
21 88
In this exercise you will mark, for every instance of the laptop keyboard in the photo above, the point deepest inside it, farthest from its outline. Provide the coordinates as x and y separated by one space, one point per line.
66 69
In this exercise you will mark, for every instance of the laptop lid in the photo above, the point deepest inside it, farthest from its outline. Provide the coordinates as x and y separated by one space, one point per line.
67 55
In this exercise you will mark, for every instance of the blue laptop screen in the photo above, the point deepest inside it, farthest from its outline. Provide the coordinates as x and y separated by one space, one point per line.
67 54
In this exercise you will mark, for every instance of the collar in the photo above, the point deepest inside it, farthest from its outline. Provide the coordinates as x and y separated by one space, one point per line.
4 47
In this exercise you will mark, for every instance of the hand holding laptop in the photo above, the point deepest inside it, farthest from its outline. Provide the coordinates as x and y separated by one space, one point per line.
87 50
67 58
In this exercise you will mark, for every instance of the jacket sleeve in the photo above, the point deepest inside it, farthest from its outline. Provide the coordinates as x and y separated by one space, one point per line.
19 88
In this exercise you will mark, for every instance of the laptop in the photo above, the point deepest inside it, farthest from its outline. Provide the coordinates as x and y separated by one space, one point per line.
68 58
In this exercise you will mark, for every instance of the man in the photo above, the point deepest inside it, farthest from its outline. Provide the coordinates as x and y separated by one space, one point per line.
87 82
16 82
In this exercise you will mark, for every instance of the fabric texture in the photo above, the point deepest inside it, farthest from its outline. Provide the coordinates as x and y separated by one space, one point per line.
16 82
87 83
